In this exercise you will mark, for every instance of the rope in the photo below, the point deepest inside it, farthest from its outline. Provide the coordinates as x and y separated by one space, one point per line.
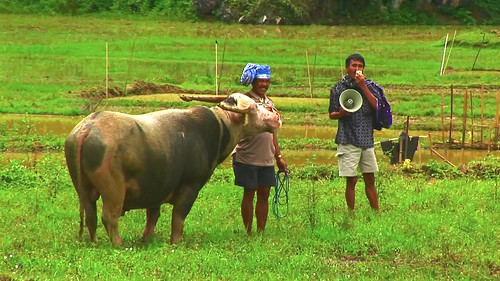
281 194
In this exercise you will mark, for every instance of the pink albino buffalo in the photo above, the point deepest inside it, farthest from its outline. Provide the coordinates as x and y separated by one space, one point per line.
144 161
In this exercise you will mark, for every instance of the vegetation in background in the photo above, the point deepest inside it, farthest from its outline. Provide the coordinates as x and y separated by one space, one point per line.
45 65
329 12
56 65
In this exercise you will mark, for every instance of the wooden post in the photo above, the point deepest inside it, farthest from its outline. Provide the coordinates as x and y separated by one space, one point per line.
479 50
464 118
444 55
491 140
442 118
497 122
490 134
482 114
309 74
216 68
407 140
430 140
107 70
419 150
430 143
451 116
471 119
449 53
400 146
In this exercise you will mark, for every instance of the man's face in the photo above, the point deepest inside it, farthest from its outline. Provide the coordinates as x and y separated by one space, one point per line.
353 66
260 86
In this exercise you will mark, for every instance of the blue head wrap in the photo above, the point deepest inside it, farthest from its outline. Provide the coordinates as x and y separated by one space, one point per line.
252 71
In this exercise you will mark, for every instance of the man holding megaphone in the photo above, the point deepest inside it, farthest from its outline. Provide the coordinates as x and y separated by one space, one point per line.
353 102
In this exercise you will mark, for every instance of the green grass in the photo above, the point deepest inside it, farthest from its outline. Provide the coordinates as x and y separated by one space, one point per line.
429 228
52 55
46 61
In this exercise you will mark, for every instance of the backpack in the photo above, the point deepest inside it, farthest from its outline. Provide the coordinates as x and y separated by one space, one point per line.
383 114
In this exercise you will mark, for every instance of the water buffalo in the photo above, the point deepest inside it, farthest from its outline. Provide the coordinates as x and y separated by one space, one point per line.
144 161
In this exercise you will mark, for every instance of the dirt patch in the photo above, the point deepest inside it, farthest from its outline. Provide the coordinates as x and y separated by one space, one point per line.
138 88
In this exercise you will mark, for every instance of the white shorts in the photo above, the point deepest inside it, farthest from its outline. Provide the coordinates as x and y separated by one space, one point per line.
349 157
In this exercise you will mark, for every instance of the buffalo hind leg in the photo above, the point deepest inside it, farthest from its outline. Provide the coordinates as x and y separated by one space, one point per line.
152 215
88 210
91 219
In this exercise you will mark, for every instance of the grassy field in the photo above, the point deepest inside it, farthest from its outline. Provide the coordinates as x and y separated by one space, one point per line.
47 62
70 52
436 223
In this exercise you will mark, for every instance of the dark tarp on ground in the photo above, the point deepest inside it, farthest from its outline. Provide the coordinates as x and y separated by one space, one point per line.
391 148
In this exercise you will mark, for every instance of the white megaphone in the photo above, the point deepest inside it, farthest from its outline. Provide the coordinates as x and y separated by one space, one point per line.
351 100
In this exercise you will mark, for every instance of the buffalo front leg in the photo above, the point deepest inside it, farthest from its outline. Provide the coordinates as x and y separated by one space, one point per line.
178 218
110 221
182 206
152 215
111 212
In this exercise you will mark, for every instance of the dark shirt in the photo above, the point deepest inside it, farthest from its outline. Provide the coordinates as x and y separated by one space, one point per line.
356 129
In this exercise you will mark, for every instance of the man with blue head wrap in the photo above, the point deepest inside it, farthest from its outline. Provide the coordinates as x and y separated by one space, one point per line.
254 157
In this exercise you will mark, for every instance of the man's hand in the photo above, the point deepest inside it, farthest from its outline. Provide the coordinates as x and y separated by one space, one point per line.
359 78
344 113
339 114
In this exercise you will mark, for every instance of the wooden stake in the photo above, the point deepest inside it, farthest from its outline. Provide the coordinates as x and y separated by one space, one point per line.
444 55
442 157
464 118
451 115
222 63
449 53
497 122
442 118
437 153
462 155
407 129
419 150
479 50
400 148
107 70
430 140
216 69
309 74
482 114
314 67
471 118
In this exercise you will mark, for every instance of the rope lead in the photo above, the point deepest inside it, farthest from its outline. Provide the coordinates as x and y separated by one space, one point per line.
281 194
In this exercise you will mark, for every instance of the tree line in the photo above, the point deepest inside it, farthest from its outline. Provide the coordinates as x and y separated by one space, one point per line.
295 12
